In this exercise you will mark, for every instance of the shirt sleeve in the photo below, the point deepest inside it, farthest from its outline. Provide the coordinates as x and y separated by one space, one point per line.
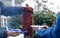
41 32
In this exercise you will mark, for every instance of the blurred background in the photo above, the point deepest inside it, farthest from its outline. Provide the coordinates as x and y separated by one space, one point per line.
45 12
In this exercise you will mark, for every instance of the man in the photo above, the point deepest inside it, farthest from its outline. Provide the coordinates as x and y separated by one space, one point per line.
51 32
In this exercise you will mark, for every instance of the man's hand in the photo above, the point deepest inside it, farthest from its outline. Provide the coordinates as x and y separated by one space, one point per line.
11 33
46 27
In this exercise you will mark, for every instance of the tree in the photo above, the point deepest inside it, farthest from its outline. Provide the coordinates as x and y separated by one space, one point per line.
15 21
42 18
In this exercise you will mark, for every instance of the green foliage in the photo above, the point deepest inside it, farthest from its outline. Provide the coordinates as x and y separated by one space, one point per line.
48 18
15 21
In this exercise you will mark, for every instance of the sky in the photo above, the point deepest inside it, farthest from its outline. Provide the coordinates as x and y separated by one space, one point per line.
53 5
31 3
